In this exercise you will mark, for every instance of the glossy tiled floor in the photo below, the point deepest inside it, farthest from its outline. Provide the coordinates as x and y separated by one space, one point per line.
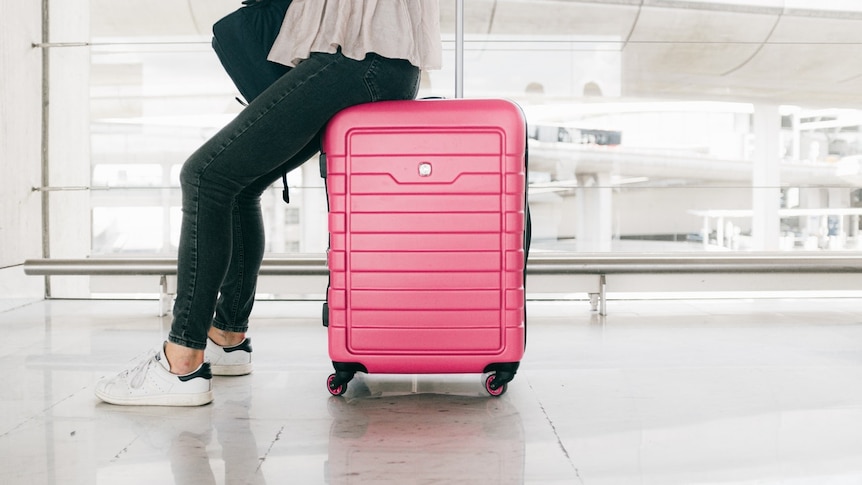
658 392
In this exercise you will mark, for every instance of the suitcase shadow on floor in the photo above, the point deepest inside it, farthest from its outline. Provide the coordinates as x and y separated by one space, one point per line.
399 430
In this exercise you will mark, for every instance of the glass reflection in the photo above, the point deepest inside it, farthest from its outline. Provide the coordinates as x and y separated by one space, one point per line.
643 121
384 431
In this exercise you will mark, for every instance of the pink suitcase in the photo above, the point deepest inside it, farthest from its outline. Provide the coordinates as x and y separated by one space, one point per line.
428 239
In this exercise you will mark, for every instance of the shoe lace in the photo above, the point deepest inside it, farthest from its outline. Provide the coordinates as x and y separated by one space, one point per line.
137 374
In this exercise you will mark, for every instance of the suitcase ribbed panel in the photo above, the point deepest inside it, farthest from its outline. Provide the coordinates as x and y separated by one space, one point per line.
426 234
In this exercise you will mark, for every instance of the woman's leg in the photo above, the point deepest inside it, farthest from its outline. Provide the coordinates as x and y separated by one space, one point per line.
236 295
280 122
221 176
229 352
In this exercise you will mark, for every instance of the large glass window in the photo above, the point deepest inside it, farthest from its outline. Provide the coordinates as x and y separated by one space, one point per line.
681 126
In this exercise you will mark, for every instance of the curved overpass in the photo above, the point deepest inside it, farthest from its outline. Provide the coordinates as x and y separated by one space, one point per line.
779 51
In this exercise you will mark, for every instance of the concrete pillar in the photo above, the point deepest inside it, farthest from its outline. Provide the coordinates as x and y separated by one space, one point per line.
20 154
67 163
594 196
766 178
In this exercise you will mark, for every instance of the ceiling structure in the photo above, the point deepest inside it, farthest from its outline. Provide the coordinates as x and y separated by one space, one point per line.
705 49
799 52
777 52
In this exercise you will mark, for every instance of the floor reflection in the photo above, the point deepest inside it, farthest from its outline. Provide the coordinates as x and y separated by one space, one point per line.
206 445
658 393
383 431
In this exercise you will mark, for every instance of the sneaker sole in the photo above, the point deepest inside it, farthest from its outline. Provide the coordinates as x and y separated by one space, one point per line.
231 369
163 400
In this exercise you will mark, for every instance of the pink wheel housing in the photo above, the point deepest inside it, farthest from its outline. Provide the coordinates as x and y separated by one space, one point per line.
494 392
336 391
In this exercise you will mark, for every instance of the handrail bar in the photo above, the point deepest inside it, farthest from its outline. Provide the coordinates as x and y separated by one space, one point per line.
158 266
694 263
598 265
594 263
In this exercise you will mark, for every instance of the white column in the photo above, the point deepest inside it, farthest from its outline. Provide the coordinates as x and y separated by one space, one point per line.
595 212
766 178
70 233
20 154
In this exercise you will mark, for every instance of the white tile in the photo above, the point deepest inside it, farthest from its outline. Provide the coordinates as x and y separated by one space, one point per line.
657 392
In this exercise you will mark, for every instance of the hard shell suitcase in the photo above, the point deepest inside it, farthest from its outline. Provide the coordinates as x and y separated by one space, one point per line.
428 239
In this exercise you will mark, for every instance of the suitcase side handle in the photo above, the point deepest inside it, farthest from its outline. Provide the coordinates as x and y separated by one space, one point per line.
322 161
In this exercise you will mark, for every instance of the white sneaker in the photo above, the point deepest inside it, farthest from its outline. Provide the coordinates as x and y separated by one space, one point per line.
151 383
229 361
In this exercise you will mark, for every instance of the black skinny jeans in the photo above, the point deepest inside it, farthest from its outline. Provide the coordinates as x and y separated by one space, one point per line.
222 238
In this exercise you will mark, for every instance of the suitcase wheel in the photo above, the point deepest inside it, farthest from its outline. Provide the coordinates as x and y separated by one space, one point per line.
335 388
494 386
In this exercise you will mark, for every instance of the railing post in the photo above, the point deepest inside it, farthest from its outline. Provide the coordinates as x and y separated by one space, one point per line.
459 48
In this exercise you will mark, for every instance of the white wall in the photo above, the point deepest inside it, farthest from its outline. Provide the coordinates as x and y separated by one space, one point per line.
20 147
69 135
21 134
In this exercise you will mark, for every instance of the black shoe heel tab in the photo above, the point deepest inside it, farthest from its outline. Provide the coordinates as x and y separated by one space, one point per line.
203 371
244 345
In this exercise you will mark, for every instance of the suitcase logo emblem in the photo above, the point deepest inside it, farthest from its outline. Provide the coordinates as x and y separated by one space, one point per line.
424 169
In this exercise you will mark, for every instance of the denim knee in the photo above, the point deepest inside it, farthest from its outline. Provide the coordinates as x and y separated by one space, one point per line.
189 174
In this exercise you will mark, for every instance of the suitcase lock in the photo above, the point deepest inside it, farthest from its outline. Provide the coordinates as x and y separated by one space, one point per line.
424 169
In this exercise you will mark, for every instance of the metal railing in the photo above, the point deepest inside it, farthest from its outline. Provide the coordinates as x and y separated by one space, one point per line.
770 268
